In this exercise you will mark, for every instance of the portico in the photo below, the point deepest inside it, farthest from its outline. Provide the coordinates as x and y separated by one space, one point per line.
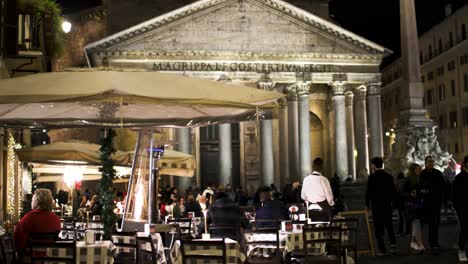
324 70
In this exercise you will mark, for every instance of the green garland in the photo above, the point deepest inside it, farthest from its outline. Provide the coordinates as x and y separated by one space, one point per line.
39 8
106 185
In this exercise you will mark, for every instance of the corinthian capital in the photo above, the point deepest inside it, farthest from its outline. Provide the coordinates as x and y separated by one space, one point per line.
338 87
303 88
349 98
360 92
373 88
265 83
291 92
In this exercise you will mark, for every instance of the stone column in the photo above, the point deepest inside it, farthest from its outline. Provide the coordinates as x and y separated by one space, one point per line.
225 154
266 138
360 131
375 120
349 96
341 148
293 139
283 145
303 91
184 144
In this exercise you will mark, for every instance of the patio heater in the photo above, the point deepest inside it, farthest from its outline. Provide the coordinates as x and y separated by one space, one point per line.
141 200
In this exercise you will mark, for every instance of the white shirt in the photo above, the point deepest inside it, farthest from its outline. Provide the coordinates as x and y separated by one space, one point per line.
316 188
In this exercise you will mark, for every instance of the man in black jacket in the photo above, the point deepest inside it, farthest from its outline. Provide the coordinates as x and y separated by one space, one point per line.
433 189
224 212
269 210
460 201
379 197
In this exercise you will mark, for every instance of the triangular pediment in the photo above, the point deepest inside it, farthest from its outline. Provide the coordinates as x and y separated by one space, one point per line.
269 26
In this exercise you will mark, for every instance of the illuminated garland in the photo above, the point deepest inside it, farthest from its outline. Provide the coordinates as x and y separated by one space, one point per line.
11 175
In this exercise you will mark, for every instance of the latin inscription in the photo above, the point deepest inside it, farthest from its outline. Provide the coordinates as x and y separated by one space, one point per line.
246 67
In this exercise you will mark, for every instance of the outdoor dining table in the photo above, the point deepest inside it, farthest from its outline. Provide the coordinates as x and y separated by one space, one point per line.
157 241
99 252
234 253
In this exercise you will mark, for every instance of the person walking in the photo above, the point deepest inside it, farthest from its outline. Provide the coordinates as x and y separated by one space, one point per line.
316 188
380 195
414 206
433 188
460 202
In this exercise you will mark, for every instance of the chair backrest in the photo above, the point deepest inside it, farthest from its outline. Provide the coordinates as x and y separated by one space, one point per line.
315 238
7 247
143 249
184 226
190 254
223 231
349 227
44 247
267 238
124 239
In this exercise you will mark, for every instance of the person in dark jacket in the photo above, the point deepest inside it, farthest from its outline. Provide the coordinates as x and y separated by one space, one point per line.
414 206
224 212
269 210
460 202
380 195
433 189
192 206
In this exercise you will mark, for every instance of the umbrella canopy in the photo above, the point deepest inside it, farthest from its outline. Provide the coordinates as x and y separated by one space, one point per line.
126 98
82 153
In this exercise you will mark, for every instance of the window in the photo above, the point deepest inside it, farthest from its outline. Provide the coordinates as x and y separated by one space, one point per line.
456 148
430 52
442 122
440 71
441 92
396 98
450 39
465 82
453 119
463 31
429 97
422 78
440 46
430 76
465 116
451 66
420 57
453 88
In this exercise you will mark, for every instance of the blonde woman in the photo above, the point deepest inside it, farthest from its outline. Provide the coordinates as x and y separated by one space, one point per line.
414 206
40 219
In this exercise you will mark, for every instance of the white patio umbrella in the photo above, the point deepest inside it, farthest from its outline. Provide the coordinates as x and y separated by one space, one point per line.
98 98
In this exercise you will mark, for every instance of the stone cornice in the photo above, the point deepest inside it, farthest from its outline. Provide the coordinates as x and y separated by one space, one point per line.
284 8
351 59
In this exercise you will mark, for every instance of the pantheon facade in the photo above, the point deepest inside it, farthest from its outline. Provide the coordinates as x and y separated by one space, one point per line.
330 77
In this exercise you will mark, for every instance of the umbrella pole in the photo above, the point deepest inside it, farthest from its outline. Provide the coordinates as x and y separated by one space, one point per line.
151 185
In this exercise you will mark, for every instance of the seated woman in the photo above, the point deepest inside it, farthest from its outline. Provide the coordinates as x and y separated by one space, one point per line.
40 219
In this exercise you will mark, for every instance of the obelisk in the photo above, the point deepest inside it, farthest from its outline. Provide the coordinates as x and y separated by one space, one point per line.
415 133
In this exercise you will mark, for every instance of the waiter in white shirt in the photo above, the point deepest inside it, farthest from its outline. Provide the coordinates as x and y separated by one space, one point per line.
316 188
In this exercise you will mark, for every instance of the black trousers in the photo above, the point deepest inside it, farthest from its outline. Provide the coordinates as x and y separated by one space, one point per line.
382 217
433 220
463 235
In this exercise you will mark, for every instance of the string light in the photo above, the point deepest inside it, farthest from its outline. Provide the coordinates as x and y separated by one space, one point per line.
11 175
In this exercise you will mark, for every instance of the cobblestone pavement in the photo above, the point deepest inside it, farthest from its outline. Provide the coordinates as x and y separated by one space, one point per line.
448 251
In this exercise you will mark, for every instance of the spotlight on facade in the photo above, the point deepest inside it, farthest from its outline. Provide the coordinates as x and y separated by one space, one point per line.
66 26
387 134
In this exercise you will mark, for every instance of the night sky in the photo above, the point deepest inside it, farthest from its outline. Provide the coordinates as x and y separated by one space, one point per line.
376 20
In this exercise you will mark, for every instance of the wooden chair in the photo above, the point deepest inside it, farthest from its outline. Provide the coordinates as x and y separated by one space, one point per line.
38 242
8 251
125 241
223 231
191 256
273 255
142 252
349 228
184 227
314 237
